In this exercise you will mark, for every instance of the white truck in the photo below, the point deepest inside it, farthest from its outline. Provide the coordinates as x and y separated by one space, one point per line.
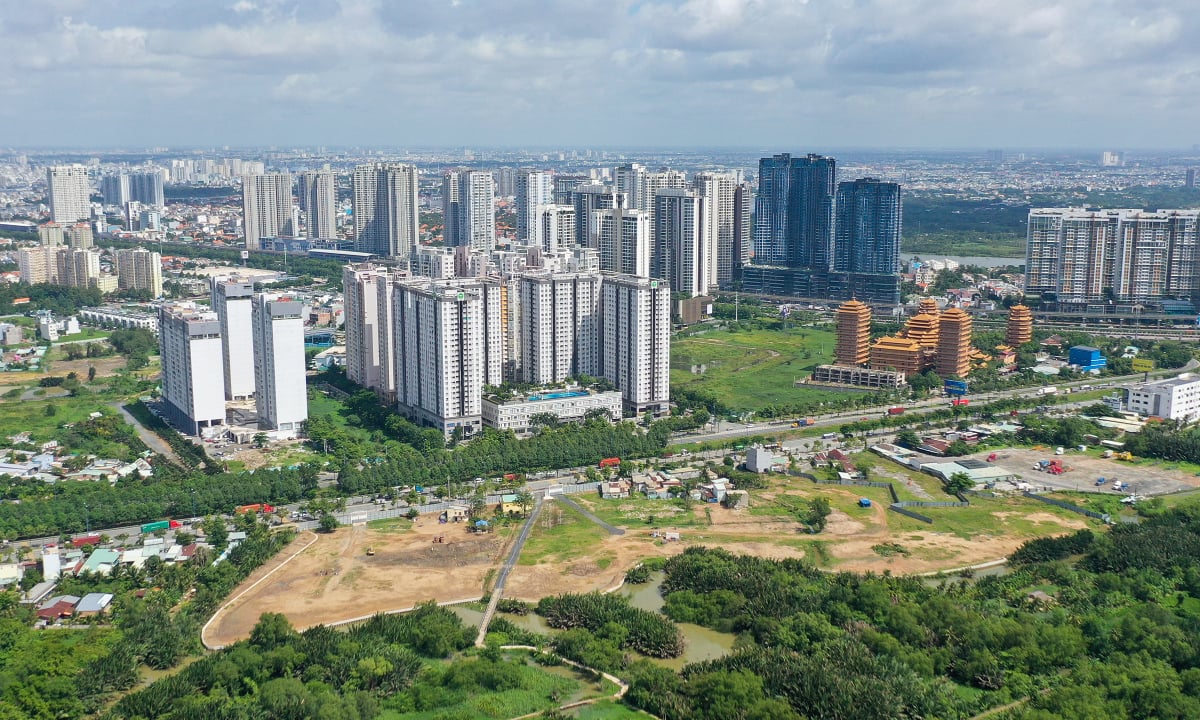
1048 390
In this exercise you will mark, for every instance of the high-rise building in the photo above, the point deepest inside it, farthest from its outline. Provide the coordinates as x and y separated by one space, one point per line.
318 202
115 189
78 267
368 311
1078 258
506 181
51 234
79 236
280 395
147 188
386 218
794 211
639 185
232 300
267 208
743 229
38 264
1189 180
559 315
193 386
534 189
720 195
474 209
853 333
450 187
954 344
69 191
684 245
868 227
587 199
448 346
565 185
623 240
635 340
1019 330
897 354
140 269
556 227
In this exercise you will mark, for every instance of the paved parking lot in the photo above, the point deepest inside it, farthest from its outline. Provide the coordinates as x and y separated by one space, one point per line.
1083 470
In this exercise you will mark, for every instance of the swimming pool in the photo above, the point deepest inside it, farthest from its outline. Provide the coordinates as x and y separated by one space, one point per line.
556 395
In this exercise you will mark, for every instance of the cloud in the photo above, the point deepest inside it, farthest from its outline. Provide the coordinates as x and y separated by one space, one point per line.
601 72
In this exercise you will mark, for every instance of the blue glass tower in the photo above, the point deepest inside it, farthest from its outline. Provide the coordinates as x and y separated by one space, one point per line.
868 227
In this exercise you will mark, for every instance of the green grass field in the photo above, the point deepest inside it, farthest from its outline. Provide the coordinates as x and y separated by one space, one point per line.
640 511
609 710
560 533
748 370
30 415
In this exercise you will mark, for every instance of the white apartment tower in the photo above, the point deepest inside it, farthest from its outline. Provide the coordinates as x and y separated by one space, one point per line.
556 228
368 311
720 194
318 202
623 238
140 269
280 397
193 386
385 209
448 345
587 199
231 299
635 339
683 241
267 207
38 264
70 193
560 325
534 189
474 210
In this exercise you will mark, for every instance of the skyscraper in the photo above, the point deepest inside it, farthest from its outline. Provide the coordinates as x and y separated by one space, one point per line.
147 188
720 194
448 345
623 239
853 333
794 211
868 227
368 313
318 201
954 344
115 189
193 387
684 247
267 206
474 209
635 338
70 193
450 207
743 231
587 199
140 269
232 300
280 396
78 267
559 325
556 227
534 188
385 209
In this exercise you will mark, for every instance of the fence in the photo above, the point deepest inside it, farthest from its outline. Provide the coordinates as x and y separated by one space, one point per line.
1069 506
931 503
897 505
915 515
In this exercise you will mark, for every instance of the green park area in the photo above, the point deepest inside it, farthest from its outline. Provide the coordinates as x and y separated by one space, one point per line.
748 369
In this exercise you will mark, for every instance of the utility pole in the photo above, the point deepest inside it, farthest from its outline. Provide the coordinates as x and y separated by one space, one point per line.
735 305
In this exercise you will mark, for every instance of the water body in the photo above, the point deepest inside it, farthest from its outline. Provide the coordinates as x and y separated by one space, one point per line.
971 260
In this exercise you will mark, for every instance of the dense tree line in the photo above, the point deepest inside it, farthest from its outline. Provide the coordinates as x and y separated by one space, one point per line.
296 264
646 632
1166 441
58 299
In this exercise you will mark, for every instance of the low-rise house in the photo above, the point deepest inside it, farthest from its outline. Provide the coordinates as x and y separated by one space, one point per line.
714 491
457 513
736 500
93 604
102 560
760 460
615 489
59 606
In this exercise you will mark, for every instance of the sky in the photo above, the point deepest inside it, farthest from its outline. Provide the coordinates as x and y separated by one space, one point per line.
793 74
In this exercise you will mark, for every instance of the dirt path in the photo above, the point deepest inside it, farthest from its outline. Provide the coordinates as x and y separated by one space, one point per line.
148 436
509 562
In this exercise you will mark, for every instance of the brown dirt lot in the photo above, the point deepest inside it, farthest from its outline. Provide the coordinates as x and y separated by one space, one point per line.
334 580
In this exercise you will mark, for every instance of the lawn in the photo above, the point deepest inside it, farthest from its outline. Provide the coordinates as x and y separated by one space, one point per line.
30 416
390 525
321 405
560 532
641 511
609 710
989 516
748 370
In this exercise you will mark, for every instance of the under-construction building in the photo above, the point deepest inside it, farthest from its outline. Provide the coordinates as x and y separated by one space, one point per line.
853 333
1020 327
954 344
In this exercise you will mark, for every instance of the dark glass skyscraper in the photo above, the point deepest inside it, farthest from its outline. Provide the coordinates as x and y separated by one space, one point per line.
868 227
794 211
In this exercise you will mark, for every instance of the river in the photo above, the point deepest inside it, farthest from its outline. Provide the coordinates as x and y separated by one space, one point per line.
971 260
700 643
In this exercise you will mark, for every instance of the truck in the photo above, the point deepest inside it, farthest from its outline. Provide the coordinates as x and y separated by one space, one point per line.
1048 390
896 411
805 422
609 462
263 508
159 525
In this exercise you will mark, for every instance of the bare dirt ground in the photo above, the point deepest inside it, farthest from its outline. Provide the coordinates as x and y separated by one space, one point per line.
1145 477
334 580
105 366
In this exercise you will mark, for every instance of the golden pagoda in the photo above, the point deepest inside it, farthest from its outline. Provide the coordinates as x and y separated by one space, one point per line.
923 327
896 353
853 333
928 306
954 344
1020 326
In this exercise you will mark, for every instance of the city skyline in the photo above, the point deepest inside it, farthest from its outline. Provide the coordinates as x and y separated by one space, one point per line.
785 74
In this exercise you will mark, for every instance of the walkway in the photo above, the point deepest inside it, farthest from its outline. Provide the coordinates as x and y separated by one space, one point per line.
622 686
612 529
151 438
509 563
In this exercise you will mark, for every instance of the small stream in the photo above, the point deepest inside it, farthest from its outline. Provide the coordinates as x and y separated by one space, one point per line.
700 643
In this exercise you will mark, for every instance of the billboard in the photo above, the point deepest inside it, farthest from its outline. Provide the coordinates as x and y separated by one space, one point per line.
956 387
1142 365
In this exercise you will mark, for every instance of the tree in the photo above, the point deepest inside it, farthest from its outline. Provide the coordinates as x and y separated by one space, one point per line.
525 500
50 410
959 482
542 421
328 523
818 514
91 373
215 532
260 440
